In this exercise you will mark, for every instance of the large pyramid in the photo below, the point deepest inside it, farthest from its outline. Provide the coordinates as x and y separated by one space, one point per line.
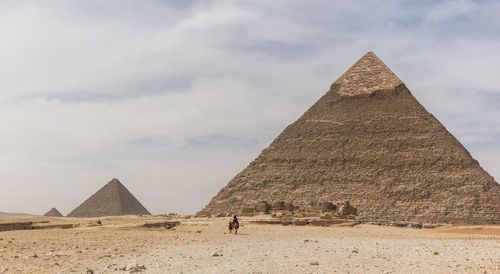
53 212
368 141
113 199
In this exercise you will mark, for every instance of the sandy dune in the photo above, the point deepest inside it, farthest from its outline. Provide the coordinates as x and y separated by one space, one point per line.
188 248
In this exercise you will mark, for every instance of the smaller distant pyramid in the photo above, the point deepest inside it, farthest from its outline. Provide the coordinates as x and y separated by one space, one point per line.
53 212
113 199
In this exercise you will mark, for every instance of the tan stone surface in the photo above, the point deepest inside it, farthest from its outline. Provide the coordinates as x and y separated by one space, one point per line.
368 141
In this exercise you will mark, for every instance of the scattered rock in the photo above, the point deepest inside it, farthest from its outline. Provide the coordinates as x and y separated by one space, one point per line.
216 253
355 251
278 205
436 253
300 222
321 222
416 225
314 263
300 214
247 211
263 207
266 221
167 224
90 271
135 267
346 209
288 206
286 222
326 216
328 206
430 226
57 254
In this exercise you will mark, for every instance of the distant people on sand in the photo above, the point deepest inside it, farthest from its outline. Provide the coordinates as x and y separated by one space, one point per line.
234 224
99 223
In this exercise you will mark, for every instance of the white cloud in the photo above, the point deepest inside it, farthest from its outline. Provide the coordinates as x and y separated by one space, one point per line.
174 98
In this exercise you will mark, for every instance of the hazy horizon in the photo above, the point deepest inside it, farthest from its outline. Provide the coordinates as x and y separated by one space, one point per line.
174 98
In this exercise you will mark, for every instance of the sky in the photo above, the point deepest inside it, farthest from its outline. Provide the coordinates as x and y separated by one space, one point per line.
174 98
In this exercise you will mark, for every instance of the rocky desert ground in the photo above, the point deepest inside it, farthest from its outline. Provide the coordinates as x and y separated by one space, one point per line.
203 245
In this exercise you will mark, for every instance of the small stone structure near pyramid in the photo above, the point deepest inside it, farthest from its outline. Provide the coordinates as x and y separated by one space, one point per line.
370 142
111 200
53 212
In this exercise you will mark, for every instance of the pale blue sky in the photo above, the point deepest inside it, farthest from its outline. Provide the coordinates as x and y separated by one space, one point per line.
174 98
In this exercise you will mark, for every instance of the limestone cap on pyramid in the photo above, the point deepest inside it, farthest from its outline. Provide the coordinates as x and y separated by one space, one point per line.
367 75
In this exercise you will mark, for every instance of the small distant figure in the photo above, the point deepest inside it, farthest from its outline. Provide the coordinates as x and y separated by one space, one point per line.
234 224
99 222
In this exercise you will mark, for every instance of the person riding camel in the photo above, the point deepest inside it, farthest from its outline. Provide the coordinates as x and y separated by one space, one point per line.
234 224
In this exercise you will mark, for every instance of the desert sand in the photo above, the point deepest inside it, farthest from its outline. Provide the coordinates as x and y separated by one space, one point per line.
193 246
